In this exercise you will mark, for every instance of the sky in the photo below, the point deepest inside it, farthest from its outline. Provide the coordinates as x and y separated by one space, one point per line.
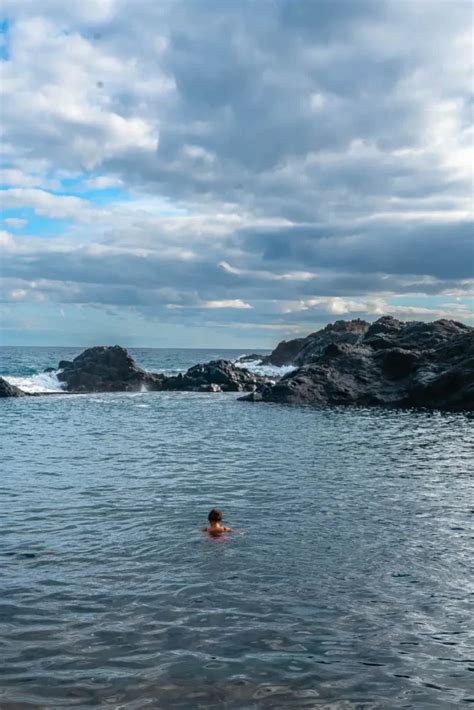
231 174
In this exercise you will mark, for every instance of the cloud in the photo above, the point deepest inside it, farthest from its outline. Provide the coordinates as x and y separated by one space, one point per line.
6 240
375 307
59 109
44 203
13 177
18 293
102 182
231 303
15 222
310 159
425 248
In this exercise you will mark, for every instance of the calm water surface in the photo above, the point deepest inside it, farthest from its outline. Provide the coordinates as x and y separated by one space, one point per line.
347 583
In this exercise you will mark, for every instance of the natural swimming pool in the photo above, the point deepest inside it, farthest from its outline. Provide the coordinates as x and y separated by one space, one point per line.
347 583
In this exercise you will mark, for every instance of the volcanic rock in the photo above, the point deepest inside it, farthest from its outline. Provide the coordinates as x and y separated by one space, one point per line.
8 390
112 369
286 352
398 362
252 357
64 364
106 369
221 374
303 351
388 363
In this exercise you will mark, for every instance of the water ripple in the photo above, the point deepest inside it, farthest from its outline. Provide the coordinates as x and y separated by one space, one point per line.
347 584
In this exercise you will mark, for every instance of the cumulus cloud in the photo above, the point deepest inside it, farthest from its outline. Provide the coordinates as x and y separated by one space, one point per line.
285 160
13 177
15 222
44 203
375 307
102 182
59 108
230 303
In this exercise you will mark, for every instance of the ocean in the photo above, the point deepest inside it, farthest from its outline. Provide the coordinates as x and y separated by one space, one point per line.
346 584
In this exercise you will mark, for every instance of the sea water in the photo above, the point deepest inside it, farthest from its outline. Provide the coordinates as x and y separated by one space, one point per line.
347 582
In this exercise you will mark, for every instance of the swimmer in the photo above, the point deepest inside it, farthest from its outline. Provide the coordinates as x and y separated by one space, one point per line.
215 527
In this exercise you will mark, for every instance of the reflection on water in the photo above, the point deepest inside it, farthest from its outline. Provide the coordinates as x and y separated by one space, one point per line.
347 583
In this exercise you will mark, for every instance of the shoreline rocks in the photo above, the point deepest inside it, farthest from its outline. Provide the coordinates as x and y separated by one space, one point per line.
105 369
388 363
215 376
112 369
252 357
302 351
8 390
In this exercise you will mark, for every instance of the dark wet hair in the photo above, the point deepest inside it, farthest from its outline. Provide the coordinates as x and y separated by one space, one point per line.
215 516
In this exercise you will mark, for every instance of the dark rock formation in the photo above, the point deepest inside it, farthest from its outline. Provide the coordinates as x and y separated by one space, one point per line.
106 369
398 362
8 390
221 374
253 357
303 351
64 363
112 369
286 352
388 363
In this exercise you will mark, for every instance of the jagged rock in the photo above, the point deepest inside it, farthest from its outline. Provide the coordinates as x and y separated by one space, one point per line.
106 369
386 325
389 363
253 357
64 364
49 369
431 335
8 390
217 373
447 380
398 362
380 342
303 351
450 389
286 351
112 369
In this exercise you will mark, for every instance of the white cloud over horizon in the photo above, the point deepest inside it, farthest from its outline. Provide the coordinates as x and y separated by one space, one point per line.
289 163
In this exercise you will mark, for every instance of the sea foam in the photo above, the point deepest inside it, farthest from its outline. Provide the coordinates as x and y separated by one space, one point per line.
44 382
265 370
34 384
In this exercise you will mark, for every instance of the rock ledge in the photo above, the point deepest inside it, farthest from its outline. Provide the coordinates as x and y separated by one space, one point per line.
388 363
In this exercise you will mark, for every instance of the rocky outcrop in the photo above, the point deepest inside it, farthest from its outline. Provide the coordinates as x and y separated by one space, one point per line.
8 390
106 369
388 363
303 351
252 357
286 352
218 375
112 369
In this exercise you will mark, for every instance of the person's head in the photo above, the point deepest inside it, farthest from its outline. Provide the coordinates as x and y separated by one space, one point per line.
215 516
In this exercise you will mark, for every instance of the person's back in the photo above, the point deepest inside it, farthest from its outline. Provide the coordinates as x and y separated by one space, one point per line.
215 527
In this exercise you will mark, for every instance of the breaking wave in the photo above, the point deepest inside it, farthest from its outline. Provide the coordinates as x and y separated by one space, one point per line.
46 382
34 384
265 370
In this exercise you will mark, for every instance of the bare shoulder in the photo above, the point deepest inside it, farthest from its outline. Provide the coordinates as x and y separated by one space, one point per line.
215 532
